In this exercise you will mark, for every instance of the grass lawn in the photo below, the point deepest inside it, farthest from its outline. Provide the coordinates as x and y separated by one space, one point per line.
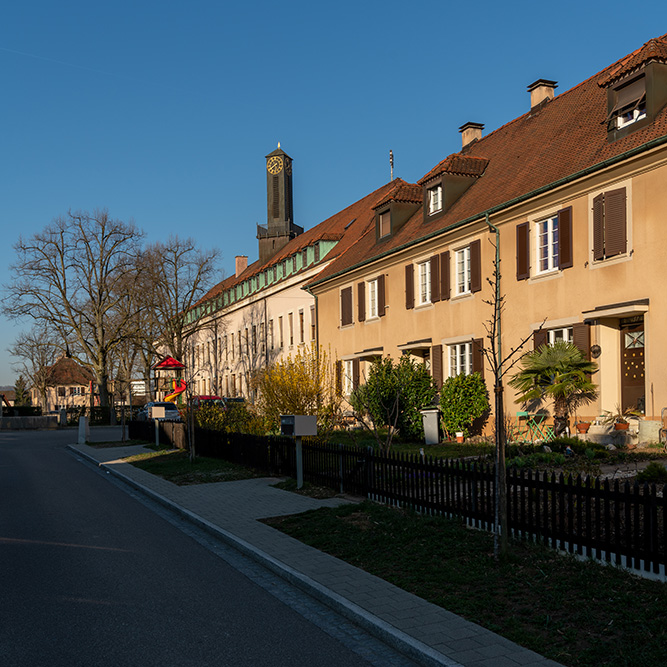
175 466
578 613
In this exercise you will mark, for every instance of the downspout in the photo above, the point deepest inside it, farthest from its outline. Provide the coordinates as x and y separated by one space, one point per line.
500 534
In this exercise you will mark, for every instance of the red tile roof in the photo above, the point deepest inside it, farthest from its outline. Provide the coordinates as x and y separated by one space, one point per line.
66 372
402 192
461 165
654 50
552 142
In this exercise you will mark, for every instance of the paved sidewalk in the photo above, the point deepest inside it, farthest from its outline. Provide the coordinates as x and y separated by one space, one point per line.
424 632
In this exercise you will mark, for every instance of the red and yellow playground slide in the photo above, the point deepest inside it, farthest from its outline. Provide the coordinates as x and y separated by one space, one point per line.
178 387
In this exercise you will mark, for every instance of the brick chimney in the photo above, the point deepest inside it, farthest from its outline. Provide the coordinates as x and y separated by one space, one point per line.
241 264
541 90
470 132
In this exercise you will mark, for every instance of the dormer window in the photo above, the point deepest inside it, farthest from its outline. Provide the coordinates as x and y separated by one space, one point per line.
629 104
434 196
384 224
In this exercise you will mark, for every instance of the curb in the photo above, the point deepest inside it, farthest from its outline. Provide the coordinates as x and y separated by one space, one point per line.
397 639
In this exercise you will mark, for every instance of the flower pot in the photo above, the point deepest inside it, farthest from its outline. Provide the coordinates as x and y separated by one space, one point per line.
459 437
582 427
621 426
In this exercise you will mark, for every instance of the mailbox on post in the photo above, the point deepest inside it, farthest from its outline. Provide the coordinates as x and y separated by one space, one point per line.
297 426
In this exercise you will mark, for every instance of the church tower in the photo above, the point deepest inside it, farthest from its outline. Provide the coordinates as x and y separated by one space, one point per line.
280 227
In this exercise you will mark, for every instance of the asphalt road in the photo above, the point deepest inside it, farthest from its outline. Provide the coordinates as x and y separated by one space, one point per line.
91 576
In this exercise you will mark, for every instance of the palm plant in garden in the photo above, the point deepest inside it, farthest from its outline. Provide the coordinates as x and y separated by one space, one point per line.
561 373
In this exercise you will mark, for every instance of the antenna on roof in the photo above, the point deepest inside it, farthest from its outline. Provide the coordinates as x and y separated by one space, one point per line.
391 163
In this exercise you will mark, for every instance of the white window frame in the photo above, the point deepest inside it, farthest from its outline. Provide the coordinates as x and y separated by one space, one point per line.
372 299
560 333
424 284
546 244
463 271
348 376
460 358
434 199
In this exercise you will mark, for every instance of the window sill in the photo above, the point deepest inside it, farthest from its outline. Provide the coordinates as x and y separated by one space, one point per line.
463 296
610 261
423 306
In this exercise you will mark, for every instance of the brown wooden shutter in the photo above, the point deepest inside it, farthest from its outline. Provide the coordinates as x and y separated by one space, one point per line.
444 275
598 227
435 278
436 365
615 222
361 301
339 378
522 251
476 266
346 306
478 356
581 337
409 286
382 297
540 338
565 260
355 373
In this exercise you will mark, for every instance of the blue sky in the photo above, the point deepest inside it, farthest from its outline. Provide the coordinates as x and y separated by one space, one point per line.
163 112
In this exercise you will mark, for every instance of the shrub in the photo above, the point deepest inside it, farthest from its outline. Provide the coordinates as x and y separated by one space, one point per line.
654 472
463 399
393 395
234 418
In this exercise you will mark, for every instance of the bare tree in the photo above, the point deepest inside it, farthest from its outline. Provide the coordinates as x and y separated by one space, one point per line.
70 278
500 363
35 351
180 274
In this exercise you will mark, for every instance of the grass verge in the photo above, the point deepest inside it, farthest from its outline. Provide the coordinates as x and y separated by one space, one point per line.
578 613
175 466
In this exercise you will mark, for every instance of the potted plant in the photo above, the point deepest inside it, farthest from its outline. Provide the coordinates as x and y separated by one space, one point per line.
619 417
582 426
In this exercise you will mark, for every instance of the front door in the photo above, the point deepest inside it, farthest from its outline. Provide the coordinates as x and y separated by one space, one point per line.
633 393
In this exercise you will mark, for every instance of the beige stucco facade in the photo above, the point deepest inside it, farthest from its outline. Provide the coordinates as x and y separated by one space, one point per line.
617 296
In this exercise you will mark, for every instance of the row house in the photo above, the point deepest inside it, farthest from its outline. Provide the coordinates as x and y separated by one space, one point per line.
261 314
575 193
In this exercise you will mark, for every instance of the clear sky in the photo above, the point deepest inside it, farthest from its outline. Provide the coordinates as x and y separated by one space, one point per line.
163 112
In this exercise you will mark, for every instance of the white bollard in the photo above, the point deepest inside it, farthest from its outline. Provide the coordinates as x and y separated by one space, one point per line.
84 430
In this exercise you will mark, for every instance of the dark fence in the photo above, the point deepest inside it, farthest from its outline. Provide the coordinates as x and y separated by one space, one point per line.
616 522
172 434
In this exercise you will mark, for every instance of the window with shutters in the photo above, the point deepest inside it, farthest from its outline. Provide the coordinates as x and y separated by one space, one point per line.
460 359
372 298
424 273
346 306
546 239
463 273
610 224
551 244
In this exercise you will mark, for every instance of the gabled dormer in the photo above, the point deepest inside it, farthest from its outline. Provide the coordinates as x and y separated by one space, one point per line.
636 90
447 181
396 209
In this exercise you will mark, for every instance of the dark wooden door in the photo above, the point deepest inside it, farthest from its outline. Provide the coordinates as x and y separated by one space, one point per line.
632 366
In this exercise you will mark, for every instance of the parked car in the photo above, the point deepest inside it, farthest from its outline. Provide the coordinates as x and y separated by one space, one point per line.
171 413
